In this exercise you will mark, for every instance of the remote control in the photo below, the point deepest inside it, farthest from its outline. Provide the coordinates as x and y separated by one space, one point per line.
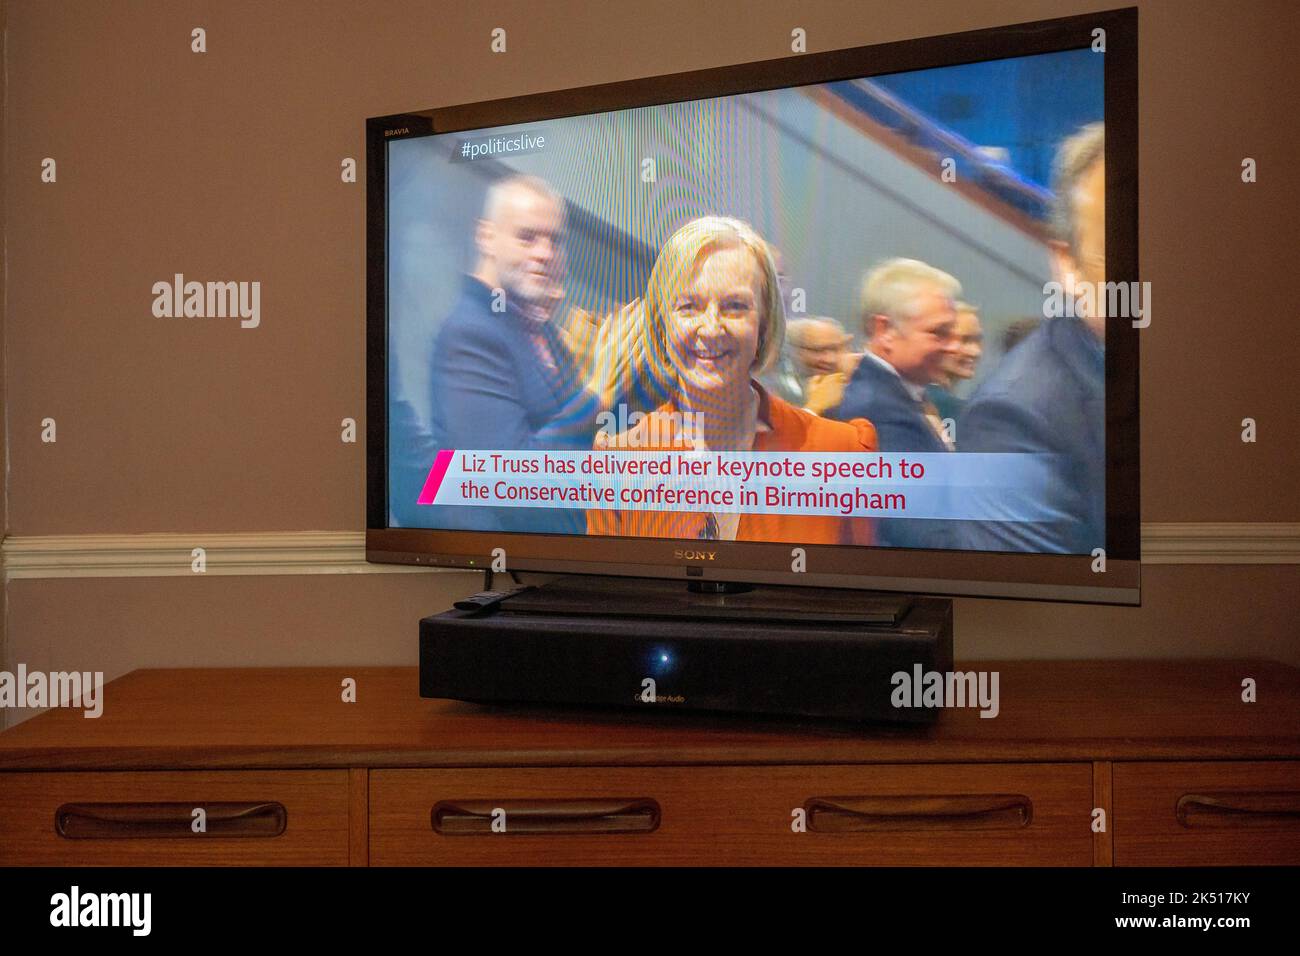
488 599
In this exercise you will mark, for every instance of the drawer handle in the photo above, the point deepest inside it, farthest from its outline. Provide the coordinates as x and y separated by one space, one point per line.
1245 808
996 811
122 821
576 816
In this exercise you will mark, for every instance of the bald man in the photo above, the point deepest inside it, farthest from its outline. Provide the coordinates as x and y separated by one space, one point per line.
810 374
503 376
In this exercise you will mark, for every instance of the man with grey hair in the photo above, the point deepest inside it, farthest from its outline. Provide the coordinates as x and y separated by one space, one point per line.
908 316
1048 397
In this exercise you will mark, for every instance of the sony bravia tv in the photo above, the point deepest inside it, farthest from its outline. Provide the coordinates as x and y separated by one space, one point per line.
865 318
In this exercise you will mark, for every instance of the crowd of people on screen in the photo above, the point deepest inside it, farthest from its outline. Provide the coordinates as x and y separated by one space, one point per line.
712 343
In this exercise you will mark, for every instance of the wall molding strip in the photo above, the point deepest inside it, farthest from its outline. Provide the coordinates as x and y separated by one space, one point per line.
343 552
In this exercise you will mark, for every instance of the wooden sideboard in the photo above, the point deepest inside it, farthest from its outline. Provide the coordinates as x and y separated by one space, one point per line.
286 772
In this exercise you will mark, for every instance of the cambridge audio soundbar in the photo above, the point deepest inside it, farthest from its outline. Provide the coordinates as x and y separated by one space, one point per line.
530 653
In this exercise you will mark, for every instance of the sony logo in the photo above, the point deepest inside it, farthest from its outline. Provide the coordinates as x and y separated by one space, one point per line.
686 554
397 132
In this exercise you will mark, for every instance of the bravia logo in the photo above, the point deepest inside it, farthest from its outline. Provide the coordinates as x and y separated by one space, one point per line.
397 132
686 554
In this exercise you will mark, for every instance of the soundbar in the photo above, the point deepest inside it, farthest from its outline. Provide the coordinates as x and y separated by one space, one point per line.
815 668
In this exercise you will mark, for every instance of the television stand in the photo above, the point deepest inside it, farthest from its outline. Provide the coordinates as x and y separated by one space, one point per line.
592 596
1145 741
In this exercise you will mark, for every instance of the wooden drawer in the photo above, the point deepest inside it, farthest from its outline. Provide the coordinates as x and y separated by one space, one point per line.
975 814
296 817
1207 814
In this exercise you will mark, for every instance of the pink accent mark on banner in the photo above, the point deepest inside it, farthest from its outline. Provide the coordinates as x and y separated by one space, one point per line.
439 470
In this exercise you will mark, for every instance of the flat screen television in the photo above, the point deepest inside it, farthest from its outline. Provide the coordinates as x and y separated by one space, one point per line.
865 318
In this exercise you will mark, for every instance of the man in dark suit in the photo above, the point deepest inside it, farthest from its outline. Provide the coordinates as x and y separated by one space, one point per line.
504 376
1048 396
908 317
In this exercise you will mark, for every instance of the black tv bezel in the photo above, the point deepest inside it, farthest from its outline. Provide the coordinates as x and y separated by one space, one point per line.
979 573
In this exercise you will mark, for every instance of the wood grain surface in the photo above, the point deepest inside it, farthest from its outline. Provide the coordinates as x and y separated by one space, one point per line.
295 717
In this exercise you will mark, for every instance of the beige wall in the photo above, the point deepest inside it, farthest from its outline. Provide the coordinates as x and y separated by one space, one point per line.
225 165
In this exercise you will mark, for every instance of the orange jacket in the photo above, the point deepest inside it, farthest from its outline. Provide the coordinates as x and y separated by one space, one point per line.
792 429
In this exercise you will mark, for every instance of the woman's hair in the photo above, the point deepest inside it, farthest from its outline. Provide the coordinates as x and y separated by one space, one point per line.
676 265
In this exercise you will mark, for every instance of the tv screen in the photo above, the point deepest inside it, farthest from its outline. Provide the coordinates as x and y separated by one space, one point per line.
829 320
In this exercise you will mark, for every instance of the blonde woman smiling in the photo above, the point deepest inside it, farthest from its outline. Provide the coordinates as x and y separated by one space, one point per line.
713 321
